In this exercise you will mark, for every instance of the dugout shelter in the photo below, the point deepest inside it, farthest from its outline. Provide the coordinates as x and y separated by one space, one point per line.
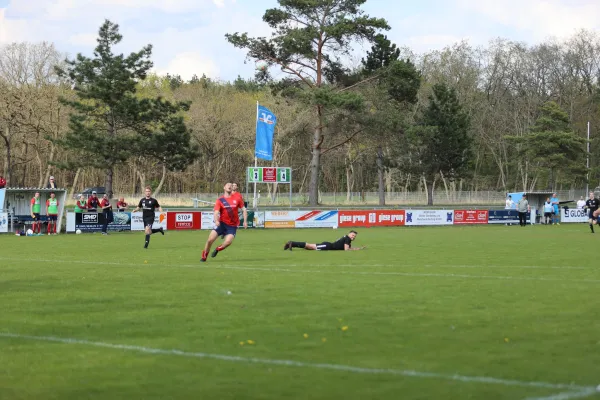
17 202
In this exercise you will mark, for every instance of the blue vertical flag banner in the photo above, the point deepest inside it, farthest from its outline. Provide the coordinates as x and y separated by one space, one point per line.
265 127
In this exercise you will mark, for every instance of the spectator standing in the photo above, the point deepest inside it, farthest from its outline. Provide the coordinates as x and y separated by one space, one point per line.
122 205
52 213
51 183
106 213
548 211
93 202
523 208
555 203
81 204
581 203
510 204
35 210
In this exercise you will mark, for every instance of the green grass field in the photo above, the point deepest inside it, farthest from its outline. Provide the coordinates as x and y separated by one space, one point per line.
489 312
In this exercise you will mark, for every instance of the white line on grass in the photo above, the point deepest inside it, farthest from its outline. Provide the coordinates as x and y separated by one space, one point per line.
576 389
568 395
333 270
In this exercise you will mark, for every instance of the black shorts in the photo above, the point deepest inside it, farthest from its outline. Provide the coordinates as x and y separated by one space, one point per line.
548 214
148 220
325 246
52 217
591 214
36 217
225 230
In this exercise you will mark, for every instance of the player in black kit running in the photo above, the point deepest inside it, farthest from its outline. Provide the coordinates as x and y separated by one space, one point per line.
343 243
148 205
592 204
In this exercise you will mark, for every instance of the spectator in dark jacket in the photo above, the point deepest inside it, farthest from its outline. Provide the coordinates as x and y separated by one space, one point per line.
52 183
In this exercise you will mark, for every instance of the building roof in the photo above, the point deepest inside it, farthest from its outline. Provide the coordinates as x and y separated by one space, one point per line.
33 189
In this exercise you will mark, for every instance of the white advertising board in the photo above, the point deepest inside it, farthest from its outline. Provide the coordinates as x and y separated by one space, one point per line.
3 222
429 217
137 223
573 215
317 219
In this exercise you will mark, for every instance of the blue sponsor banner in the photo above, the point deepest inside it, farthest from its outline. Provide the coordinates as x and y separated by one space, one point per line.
265 128
504 217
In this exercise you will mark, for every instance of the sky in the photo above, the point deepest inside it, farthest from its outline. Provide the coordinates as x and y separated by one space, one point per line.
188 35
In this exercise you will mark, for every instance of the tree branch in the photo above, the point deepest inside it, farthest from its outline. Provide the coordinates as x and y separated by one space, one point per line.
360 83
342 143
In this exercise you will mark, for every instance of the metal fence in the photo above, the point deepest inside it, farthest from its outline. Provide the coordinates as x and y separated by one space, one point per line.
492 198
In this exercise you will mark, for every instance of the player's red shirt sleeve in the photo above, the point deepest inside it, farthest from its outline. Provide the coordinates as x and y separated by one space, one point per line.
33 201
47 203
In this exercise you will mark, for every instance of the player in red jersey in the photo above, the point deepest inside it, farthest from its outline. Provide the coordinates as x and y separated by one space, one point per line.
226 220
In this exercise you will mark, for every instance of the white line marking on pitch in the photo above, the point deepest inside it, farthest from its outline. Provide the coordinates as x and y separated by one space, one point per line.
333 270
568 395
576 389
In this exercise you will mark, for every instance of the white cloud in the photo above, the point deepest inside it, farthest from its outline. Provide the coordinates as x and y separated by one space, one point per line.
427 43
540 19
84 40
219 3
189 64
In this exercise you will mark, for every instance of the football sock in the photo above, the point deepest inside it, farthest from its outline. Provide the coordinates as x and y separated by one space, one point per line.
147 240
299 244
220 248
592 227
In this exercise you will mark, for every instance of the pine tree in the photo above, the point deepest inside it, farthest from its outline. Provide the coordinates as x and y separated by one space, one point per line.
110 124
308 40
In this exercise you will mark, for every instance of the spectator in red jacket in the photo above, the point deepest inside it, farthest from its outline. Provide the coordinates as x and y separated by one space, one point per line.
122 205
2 182
93 202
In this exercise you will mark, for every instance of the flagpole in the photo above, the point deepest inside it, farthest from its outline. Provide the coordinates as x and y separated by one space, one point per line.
255 158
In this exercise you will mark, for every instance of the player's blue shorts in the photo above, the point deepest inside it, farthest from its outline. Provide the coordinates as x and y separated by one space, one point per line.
36 217
224 230
556 211
52 217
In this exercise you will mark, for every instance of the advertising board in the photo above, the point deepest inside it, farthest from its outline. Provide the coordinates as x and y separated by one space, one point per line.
429 217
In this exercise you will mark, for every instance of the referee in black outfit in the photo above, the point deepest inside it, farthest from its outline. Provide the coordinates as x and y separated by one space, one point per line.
148 205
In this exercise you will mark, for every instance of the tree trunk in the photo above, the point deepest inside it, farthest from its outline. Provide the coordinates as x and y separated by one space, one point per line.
24 177
380 175
74 183
445 187
349 181
429 188
41 165
109 182
134 186
48 166
7 163
315 164
162 180
142 181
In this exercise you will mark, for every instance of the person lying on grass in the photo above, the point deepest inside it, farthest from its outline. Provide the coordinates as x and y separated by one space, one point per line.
343 243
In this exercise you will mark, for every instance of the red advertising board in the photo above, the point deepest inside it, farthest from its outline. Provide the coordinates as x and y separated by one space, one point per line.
471 216
269 174
184 220
371 218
